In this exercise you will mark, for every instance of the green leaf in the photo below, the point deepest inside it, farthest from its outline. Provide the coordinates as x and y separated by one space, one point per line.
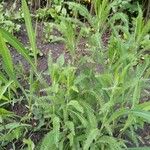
70 126
17 45
48 143
82 119
136 95
144 106
138 24
147 108
30 31
13 134
74 88
81 9
61 60
76 105
128 122
4 112
139 148
142 114
117 114
4 88
91 136
6 56
92 120
30 144
80 78
3 78
12 126
112 142
56 129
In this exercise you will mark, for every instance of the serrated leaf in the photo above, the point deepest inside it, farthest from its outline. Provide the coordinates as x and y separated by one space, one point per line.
56 129
13 134
70 126
6 57
90 114
4 88
30 144
12 126
74 88
76 105
82 119
4 112
61 60
48 142
91 136
80 78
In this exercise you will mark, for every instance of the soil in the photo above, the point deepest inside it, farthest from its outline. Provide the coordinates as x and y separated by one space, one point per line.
55 48
145 135
19 109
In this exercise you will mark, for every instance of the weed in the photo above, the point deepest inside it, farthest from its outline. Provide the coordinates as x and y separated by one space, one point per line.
7 20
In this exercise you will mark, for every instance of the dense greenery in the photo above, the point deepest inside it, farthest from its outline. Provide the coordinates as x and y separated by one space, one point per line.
82 107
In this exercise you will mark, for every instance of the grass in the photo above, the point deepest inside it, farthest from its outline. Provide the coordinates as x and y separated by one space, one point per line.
80 108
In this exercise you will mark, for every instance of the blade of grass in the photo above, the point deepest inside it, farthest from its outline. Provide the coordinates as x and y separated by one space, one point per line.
6 56
142 114
92 136
29 28
3 78
3 89
139 148
13 41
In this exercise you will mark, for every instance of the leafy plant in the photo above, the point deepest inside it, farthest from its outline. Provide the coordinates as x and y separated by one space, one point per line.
7 20
81 108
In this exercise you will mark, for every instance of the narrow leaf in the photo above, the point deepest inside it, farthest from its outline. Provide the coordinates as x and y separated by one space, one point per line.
92 136
13 41
48 142
3 89
139 148
30 31
56 128
6 56
76 105
142 114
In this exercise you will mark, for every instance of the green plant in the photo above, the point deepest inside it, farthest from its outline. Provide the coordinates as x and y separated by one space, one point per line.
6 115
126 6
101 11
68 31
30 31
81 108
67 27
7 20
134 41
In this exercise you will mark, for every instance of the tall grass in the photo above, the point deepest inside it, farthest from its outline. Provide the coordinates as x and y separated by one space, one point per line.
30 31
